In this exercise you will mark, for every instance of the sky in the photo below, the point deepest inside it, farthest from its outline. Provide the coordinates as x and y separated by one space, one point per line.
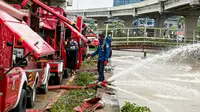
86 4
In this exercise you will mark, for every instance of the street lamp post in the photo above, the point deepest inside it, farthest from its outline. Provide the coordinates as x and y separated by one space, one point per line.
107 29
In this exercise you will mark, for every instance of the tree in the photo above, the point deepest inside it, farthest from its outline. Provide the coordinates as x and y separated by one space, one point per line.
198 25
116 27
92 25
181 20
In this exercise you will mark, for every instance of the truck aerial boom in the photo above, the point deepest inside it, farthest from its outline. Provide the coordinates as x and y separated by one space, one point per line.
71 25
12 11
90 30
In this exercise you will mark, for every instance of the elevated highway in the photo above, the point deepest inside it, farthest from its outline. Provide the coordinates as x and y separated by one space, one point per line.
159 10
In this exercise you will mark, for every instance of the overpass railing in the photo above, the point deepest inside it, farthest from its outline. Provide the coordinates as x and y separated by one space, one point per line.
147 36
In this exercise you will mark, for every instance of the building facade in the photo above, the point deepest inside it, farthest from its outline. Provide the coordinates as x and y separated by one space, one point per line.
124 2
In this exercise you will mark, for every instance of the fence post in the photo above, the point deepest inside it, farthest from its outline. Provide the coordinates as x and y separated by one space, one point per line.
160 32
177 42
127 41
145 32
193 36
107 30
112 33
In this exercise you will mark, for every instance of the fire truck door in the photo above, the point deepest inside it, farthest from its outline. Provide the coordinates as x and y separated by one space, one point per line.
11 80
5 48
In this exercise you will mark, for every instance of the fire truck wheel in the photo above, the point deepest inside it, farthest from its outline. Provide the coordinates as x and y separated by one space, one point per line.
21 106
44 88
66 73
59 79
31 100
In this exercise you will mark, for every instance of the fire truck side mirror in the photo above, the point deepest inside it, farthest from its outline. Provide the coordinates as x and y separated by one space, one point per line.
9 44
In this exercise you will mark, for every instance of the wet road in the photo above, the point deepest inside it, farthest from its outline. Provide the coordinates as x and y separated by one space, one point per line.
157 82
42 100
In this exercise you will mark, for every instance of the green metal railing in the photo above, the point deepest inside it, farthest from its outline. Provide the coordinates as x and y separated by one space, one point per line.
151 36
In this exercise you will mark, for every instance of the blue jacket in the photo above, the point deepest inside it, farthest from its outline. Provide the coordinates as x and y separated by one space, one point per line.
108 40
103 50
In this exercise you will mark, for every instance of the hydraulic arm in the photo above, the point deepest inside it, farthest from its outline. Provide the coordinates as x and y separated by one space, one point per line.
71 25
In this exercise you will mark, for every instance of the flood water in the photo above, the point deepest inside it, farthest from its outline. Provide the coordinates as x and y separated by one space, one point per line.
166 82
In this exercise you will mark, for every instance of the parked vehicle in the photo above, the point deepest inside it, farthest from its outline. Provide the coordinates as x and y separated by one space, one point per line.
91 35
18 43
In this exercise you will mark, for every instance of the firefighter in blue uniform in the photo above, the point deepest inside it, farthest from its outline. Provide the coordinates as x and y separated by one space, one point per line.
103 52
108 41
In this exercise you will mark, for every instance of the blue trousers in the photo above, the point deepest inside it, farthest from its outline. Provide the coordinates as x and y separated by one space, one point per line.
101 70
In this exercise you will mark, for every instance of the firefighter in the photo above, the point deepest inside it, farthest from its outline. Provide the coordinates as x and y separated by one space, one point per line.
108 41
103 52
71 47
70 43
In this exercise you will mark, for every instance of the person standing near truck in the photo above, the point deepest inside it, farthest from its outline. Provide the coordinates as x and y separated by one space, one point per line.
103 52
108 41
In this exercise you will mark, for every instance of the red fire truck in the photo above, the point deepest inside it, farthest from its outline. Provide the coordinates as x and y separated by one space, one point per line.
60 33
19 45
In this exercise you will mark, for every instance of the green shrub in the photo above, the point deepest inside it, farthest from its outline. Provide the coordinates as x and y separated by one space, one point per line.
128 107
84 78
88 64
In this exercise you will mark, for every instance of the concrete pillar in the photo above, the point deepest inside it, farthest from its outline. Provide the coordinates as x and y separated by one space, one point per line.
128 21
159 23
100 23
190 26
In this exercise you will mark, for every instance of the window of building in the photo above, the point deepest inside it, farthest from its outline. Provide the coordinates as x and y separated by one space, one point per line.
125 2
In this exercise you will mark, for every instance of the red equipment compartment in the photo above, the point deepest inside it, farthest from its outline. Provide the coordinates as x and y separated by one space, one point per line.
31 40
48 24
53 67
28 37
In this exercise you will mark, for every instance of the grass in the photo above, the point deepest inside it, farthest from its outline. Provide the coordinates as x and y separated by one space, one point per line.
74 98
84 78
88 64
128 107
